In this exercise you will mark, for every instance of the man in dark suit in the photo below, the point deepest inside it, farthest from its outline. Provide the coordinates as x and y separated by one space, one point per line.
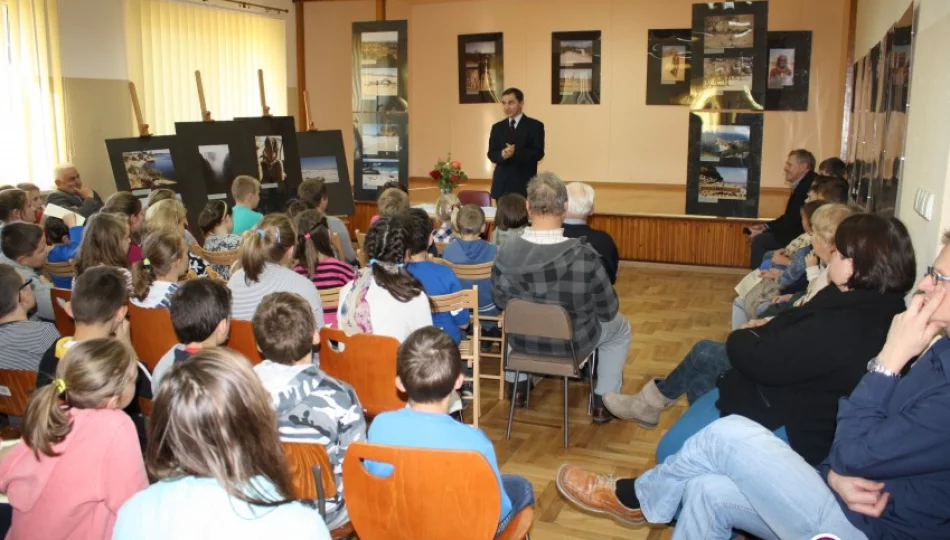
776 234
580 205
515 146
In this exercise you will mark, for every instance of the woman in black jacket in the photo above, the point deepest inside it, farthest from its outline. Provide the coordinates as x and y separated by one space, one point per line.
789 373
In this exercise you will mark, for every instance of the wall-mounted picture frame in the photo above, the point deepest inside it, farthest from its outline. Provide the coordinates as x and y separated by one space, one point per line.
669 55
725 161
575 68
382 153
481 67
273 140
729 55
380 78
322 157
789 71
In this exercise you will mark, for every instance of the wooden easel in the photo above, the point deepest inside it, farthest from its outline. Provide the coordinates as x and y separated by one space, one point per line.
137 109
205 113
265 110
307 119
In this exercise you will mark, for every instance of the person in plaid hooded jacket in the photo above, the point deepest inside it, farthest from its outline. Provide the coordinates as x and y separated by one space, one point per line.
543 266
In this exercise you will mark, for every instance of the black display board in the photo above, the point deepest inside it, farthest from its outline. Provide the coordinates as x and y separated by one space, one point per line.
273 139
575 68
725 161
380 77
668 66
481 67
382 153
789 71
322 157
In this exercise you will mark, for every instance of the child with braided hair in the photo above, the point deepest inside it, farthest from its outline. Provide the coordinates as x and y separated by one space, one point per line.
316 258
385 299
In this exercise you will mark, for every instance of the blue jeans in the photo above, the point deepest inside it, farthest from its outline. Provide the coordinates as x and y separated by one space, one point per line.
740 317
734 474
697 373
700 414
520 492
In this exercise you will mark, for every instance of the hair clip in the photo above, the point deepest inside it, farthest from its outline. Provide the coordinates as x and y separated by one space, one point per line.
146 262
60 385
261 233
307 236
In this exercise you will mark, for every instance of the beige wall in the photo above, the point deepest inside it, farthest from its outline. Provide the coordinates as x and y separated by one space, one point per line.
620 140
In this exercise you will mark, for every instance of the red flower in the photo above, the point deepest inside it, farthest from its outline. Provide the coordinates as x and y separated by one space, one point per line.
435 175
456 165
455 179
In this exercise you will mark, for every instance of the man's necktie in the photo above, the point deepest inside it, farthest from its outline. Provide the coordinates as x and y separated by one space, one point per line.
511 129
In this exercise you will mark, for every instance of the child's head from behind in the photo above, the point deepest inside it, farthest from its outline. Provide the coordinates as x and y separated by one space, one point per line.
833 190
15 206
313 193
284 328
165 254
24 243
273 240
13 292
93 374
105 241
158 195
124 202
100 296
201 310
420 230
824 225
391 202
445 206
387 247
313 238
212 418
214 215
512 212
167 214
246 191
428 366
471 220
807 211
57 232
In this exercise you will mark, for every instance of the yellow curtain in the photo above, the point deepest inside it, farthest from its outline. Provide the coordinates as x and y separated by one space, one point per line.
32 126
228 46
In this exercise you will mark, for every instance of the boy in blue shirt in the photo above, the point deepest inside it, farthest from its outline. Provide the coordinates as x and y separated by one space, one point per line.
247 195
437 279
429 370
471 249
65 236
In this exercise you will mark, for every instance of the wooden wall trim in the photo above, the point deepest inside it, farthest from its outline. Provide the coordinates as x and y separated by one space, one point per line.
301 65
483 182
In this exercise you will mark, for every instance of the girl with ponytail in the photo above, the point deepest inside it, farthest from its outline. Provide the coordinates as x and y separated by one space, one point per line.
316 258
385 299
79 459
267 254
155 277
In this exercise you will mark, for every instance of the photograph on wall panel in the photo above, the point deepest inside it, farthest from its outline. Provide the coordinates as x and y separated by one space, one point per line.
274 142
322 157
789 71
382 153
575 68
481 68
729 56
668 66
380 78
723 173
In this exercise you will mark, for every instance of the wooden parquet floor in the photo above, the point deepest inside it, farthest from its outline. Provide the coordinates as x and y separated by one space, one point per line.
669 309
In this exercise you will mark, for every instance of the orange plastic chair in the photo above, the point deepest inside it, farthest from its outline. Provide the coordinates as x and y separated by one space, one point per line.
431 494
16 385
242 340
152 334
64 323
311 476
365 361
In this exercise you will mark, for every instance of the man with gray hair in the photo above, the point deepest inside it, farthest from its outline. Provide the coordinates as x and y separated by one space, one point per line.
71 194
580 205
544 266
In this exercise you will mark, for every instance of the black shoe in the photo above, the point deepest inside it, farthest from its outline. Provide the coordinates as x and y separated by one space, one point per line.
600 413
519 393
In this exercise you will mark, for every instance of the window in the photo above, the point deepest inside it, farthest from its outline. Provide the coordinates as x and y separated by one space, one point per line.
32 132
227 45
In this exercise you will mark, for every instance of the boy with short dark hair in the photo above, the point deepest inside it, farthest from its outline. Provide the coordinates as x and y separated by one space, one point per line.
24 248
471 249
429 369
22 342
311 406
201 316
246 191
313 193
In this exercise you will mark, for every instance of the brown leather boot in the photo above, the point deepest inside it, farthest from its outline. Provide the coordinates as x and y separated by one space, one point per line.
595 493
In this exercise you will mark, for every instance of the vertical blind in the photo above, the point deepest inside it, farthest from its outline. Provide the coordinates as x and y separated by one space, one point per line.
227 46
32 126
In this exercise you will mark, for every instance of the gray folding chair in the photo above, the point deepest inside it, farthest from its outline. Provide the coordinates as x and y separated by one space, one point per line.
545 321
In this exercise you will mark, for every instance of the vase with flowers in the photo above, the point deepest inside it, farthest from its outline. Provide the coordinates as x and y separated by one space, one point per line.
448 174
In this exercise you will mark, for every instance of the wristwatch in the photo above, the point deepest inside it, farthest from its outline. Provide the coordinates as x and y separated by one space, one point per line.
874 366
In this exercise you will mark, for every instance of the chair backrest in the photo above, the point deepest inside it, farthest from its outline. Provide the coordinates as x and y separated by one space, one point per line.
330 298
549 321
360 239
65 269
440 247
243 341
365 361
16 385
152 333
64 323
430 494
337 244
464 299
223 258
361 258
301 457
210 273
481 198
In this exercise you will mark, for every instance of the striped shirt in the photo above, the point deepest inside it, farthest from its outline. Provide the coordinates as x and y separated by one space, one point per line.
330 273
23 344
159 295
247 295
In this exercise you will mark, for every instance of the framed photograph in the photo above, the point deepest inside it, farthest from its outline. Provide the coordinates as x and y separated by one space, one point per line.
575 68
669 59
789 71
724 164
481 68
322 157
381 81
729 56
382 153
273 142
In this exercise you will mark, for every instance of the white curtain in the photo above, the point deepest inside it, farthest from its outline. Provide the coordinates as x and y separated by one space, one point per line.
228 46
32 126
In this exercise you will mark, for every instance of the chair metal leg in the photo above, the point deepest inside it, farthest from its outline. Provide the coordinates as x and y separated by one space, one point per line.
527 392
566 411
511 411
590 379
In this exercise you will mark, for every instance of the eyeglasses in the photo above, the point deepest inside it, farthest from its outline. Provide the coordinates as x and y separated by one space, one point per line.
939 278
26 284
